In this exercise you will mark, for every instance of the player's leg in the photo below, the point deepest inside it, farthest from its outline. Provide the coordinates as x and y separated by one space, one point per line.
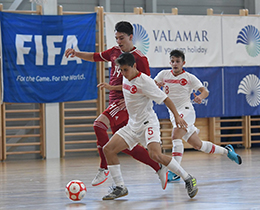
139 153
177 151
111 149
122 139
210 148
101 125
155 153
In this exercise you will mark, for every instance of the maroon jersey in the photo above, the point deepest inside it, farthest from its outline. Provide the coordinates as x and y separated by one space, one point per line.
116 78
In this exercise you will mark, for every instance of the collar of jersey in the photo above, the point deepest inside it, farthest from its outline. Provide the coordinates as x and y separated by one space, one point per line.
178 74
138 75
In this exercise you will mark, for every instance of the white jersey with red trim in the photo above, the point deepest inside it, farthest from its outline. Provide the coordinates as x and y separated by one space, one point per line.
179 88
139 94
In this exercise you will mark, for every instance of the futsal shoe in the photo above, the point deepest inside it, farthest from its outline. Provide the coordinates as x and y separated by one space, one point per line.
101 177
232 155
163 176
172 177
116 192
191 186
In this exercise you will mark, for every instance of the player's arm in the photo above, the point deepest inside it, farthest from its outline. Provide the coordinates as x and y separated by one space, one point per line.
203 94
87 56
179 121
143 66
109 87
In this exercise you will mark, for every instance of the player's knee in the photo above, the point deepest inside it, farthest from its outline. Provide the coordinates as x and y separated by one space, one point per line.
197 147
107 149
155 156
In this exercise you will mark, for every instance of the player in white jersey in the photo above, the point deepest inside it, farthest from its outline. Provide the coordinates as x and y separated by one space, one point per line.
178 85
143 127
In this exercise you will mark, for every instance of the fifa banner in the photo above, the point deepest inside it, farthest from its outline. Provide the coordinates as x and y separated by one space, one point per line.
35 69
157 35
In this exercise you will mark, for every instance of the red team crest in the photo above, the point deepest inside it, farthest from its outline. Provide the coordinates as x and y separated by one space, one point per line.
183 82
133 89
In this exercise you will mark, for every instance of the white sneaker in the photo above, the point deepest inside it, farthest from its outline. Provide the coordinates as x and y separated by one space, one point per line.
163 176
101 177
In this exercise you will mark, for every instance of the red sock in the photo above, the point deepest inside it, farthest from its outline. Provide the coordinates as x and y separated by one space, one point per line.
138 152
141 154
102 138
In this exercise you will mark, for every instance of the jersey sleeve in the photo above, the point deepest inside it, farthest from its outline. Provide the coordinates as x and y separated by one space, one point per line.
143 66
103 56
151 90
196 83
159 77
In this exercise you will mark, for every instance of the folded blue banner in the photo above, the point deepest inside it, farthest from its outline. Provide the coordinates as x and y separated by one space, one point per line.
35 69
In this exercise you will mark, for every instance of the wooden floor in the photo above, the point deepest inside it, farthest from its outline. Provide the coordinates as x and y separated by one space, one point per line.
39 184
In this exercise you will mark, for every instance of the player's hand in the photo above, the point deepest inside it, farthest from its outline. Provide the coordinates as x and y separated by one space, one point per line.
70 52
121 104
159 84
105 85
197 99
180 122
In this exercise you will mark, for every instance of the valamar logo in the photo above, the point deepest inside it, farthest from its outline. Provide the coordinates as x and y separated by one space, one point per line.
250 86
250 37
141 39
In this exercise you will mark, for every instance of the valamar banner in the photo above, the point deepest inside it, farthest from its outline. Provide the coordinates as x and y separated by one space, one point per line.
35 69
241 41
157 35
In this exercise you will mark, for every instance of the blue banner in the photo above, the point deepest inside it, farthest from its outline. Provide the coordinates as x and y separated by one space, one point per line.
242 90
35 69
233 91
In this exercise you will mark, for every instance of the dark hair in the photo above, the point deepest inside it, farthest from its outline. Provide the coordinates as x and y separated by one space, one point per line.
126 58
124 27
177 54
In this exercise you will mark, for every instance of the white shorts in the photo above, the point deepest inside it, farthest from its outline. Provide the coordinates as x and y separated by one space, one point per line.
145 137
189 115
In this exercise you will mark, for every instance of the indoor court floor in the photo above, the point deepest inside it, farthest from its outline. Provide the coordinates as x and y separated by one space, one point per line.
37 184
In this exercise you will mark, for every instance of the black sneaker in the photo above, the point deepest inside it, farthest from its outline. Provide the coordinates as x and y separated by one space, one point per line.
116 192
191 186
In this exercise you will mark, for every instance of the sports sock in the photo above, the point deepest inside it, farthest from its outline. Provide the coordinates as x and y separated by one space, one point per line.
141 154
211 148
177 150
116 174
175 167
102 138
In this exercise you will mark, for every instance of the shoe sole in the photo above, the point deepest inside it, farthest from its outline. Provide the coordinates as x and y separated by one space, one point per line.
165 185
115 198
194 194
239 160
99 183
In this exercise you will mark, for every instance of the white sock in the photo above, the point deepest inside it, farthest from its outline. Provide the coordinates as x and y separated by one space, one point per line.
175 167
177 150
211 148
116 174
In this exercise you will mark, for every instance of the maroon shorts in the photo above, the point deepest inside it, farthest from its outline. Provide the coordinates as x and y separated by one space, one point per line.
116 115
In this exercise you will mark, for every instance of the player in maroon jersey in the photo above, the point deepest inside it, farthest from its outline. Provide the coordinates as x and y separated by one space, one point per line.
116 116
